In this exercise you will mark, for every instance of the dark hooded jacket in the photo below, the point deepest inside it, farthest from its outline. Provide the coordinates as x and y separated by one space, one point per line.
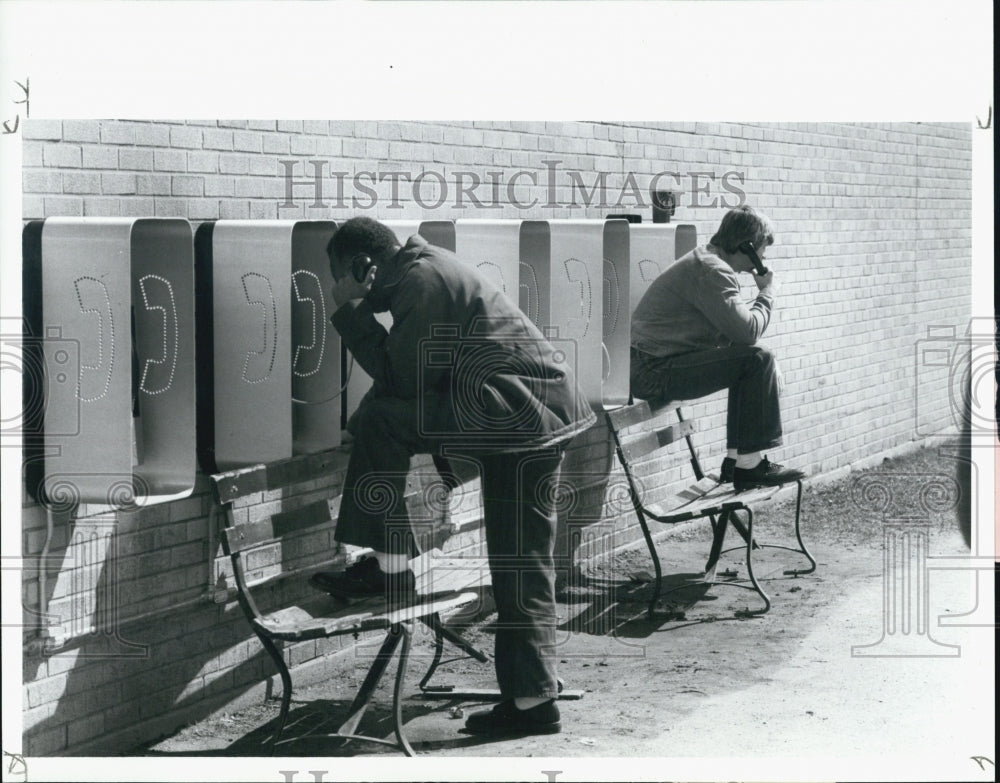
475 366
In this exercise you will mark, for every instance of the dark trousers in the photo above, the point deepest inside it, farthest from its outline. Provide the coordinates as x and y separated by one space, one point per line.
753 421
519 515
520 519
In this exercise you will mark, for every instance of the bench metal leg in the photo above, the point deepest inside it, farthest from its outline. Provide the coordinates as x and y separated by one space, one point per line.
719 536
442 632
397 633
458 640
747 533
399 636
438 651
286 688
800 549
397 694
655 557
744 533
719 526
753 579
798 537
728 516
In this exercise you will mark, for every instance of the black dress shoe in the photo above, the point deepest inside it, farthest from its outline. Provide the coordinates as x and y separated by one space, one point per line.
726 471
366 579
506 720
766 474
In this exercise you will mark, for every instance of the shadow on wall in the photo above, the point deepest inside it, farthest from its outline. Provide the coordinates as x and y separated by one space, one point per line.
112 679
116 683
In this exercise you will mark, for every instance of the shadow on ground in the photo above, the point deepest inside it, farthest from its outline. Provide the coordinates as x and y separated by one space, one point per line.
639 676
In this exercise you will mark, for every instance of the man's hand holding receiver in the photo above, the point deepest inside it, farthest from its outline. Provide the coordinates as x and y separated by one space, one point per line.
764 282
347 288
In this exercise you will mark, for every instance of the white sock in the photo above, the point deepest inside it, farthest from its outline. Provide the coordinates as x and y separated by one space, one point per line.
731 454
527 702
748 461
391 564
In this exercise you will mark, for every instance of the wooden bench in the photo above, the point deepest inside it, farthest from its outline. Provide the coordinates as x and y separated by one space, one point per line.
640 431
317 615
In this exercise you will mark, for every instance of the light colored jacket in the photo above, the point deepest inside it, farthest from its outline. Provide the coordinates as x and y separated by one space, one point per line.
696 305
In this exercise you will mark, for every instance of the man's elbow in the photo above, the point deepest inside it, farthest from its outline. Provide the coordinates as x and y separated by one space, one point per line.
746 338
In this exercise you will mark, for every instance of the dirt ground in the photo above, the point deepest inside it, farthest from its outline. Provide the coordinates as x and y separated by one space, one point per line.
807 683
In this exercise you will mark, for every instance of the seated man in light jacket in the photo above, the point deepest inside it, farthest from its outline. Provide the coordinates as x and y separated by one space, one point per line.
692 335
461 369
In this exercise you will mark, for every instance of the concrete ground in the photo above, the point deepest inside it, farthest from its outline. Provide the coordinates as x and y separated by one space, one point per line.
831 684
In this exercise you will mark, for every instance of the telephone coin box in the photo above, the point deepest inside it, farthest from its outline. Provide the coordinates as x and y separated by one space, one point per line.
561 282
269 355
112 301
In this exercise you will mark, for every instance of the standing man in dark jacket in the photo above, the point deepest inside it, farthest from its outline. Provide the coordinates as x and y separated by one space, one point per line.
462 370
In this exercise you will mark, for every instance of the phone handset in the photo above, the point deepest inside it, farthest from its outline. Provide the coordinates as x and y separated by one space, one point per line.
360 266
750 252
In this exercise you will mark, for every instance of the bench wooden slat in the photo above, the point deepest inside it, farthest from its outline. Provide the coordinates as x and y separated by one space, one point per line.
707 497
325 616
436 573
628 415
235 484
336 562
251 534
428 607
319 617
709 491
638 446
639 413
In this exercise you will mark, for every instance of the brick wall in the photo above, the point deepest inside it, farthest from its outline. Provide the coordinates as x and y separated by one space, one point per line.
873 249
